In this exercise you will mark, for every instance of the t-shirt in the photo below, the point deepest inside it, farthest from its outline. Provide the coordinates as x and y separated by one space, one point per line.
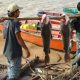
12 49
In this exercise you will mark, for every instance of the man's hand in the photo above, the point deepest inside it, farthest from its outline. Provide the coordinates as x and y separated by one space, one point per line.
27 53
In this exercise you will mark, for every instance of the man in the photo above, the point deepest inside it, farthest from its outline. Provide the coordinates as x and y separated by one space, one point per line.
76 26
46 36
13 43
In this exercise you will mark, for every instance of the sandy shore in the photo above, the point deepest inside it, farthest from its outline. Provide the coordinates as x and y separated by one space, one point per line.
31 8
34 50
55 56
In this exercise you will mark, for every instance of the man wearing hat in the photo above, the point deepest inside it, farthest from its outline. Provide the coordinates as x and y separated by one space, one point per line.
76 26
13 43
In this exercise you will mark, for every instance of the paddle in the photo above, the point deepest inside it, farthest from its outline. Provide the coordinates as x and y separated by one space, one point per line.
28 18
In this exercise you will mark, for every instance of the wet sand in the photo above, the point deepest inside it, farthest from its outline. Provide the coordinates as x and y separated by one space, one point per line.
2 57
55 56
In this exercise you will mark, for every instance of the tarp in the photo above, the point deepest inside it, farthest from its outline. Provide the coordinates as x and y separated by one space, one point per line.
70 10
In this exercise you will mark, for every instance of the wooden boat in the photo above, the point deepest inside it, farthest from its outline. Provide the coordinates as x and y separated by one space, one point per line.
49 13
34 35
66 10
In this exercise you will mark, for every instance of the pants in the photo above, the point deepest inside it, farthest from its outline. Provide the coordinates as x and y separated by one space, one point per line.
14 67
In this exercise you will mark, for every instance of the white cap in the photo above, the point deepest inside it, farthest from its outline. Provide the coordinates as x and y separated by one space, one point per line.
13 7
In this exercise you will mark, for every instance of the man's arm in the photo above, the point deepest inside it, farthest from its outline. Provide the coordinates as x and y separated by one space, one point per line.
21 42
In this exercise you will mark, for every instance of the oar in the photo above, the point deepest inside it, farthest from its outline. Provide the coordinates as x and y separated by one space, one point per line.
26 18
29 18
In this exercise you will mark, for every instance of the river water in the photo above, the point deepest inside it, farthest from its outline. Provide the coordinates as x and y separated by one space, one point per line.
31 7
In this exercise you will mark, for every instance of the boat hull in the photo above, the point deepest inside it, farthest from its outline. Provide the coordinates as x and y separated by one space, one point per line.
55 44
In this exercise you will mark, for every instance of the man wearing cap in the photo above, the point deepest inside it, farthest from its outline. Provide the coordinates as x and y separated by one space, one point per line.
13 43
76 26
